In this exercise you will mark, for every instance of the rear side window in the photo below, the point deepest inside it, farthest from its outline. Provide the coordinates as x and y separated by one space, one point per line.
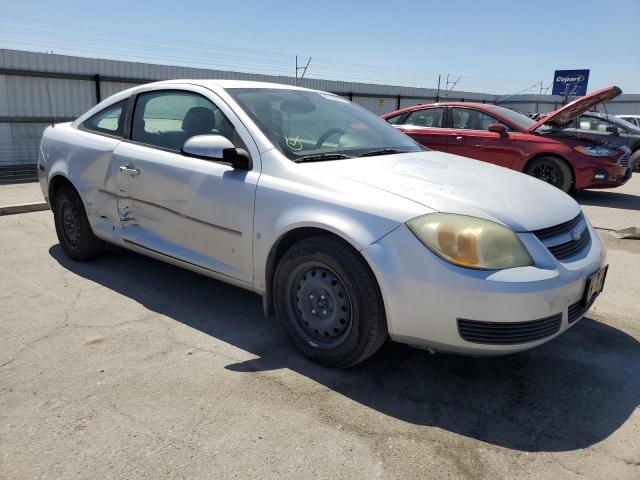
394 120
167 119
428 117
109 121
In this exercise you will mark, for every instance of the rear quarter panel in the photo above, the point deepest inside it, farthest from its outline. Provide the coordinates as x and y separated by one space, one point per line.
81 157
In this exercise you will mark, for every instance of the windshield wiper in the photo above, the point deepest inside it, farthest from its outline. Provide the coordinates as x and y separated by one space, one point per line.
382 151
320 157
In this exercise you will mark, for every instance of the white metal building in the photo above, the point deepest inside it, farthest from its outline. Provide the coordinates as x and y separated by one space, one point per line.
75 84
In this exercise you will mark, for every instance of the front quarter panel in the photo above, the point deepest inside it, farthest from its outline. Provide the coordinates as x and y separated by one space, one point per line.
292 196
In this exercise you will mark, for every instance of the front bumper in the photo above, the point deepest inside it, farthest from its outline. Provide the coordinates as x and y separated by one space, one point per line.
606 177
603 173
425 296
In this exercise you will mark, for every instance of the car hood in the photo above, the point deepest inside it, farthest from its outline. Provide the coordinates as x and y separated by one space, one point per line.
453 184
571 110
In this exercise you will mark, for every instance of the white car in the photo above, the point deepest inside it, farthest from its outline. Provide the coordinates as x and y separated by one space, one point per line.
632 119
350 231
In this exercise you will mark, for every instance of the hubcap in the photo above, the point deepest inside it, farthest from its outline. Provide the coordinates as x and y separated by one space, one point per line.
548 173
71 224
323 306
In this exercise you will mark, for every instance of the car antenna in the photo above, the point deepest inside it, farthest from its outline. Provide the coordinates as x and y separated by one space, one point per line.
46 86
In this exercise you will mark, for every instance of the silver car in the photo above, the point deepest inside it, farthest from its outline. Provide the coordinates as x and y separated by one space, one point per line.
350 231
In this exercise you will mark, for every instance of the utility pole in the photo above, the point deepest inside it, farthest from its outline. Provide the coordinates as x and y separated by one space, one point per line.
566 94
448 90
539 99
438 94
304 69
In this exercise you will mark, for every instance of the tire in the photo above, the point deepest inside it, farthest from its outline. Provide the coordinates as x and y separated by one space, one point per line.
635 161
328 302
551 170
72 226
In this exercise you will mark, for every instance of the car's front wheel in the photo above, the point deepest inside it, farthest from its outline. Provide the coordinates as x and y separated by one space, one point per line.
551 170
328 302
72 226
635 161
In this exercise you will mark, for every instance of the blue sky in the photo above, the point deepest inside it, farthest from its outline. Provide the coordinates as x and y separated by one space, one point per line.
494 46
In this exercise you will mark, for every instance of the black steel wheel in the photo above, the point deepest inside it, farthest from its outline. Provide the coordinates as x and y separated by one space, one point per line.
323 303
72 226
551 170
328 302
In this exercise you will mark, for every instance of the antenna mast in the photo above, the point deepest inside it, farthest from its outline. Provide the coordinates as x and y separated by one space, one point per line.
46 86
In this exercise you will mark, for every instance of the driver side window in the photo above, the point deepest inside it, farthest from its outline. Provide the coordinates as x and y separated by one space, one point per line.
594 124
167 119
470 119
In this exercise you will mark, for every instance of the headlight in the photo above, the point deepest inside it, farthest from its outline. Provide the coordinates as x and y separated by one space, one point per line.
470 242
596 151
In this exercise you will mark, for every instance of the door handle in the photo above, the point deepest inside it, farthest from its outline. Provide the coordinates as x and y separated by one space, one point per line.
129 170
459 137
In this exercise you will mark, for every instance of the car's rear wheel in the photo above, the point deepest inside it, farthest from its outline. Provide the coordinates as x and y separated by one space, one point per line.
72 226
328 302
552 170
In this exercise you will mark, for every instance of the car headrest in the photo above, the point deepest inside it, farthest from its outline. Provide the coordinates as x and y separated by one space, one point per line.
199 121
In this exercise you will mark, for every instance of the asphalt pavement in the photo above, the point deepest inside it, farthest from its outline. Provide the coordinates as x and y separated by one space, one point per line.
126 367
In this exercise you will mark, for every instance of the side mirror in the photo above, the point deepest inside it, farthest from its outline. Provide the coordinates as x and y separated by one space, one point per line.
613 130
499 128
217 148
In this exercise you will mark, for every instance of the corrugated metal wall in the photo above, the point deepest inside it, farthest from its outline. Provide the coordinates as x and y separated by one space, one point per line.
24 104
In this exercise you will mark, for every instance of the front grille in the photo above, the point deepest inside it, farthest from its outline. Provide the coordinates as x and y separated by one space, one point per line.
568 248
508 333
557 229
625 160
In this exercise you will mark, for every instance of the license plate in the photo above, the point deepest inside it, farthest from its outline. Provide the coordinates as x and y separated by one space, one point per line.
595 284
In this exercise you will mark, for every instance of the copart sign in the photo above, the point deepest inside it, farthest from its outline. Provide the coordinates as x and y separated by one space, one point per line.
570 82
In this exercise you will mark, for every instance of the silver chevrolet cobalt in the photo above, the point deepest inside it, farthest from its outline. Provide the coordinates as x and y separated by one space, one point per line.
350 231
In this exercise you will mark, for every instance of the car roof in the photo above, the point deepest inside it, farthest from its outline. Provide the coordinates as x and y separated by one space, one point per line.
208 83
486 106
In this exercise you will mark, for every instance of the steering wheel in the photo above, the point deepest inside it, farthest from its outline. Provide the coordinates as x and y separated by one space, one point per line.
323 138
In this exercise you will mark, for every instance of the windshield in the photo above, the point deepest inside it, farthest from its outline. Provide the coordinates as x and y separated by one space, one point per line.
307 124
518 118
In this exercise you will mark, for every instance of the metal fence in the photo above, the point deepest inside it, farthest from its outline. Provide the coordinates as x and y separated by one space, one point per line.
28 81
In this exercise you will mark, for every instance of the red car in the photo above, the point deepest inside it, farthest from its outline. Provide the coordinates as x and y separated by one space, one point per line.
543 149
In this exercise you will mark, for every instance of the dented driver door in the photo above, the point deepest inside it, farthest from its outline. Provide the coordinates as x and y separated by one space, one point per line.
195 210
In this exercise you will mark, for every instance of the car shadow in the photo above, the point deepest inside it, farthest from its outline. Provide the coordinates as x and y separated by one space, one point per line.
608 198
569 394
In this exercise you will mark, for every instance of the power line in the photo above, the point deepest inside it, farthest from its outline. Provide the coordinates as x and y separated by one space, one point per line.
68 38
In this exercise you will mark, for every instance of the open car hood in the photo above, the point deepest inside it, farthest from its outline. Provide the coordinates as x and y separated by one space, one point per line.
574 109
